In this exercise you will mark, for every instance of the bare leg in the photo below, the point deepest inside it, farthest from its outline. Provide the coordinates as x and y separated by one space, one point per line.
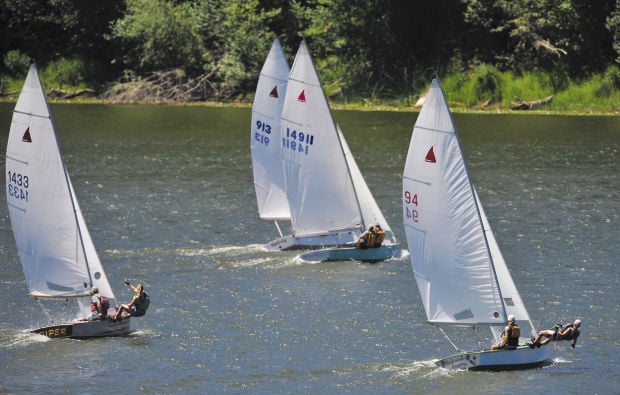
120 311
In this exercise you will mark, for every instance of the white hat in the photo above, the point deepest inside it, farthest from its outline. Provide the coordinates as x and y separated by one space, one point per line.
511 318
577 321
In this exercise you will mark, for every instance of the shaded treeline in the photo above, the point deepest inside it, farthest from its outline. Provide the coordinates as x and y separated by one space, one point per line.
213 49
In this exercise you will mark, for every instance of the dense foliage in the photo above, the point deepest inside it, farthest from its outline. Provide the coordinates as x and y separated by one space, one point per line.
213 49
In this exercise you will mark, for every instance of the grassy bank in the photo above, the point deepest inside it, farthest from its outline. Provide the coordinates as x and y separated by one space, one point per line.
482 89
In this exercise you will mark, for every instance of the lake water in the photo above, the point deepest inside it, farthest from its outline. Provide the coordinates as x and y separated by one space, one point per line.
168 196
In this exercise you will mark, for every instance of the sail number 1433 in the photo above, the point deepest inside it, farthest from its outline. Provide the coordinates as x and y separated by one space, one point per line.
17 185
411 208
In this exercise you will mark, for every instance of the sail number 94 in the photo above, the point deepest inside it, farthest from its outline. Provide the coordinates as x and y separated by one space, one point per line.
411 210
17 185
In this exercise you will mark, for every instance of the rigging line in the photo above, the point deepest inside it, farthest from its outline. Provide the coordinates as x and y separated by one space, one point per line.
450 341
278 227
46 311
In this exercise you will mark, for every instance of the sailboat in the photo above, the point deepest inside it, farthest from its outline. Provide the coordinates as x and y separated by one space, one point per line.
460 272
330 203
56 251
265 138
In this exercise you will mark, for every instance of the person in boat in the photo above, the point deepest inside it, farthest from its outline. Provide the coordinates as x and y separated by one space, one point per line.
137 306
98 304
367 238
510 336
379 236
568 332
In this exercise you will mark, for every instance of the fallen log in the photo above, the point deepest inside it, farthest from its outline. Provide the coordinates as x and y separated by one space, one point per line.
529 105
62 94
12 93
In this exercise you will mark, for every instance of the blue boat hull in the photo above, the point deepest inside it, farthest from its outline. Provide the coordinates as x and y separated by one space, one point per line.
353 254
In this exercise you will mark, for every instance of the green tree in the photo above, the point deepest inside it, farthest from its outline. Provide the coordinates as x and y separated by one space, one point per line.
613 24
160 35
379 48
560 36
237 36
47 30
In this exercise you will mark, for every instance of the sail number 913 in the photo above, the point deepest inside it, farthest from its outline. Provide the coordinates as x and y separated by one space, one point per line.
411 210
263 130
17 185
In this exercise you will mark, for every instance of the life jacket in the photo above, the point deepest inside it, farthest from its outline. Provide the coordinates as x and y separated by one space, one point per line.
514 332
379 238
105 305
570 336
371 239
143 302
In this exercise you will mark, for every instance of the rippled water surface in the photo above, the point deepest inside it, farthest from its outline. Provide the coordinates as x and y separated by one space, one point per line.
168 197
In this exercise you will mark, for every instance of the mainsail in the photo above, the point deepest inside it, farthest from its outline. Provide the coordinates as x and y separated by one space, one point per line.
319 186
450 253
265 139
57 254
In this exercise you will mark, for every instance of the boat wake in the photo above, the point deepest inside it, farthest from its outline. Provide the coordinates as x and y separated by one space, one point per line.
20 338
422 369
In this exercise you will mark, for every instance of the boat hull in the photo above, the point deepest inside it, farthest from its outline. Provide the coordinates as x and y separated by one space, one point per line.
291 242
86 329
523 357
353 254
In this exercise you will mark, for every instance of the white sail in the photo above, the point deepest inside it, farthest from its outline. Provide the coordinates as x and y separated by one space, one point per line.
371 213
57 254
449 252
265 139
512 300
318 184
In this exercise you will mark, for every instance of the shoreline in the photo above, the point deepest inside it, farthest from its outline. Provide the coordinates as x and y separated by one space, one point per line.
380 107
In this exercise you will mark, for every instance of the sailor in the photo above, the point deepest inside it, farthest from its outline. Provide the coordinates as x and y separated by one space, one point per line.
380 235
510 336
570 332
98 304
137 306
367 238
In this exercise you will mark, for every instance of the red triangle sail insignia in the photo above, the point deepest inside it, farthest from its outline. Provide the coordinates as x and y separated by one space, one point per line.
26 138
430 156
274 92
302 97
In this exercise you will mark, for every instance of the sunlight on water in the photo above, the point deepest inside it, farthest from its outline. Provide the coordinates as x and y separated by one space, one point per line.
174 208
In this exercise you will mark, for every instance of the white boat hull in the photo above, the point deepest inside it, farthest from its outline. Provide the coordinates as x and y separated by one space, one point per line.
523 357
353 254
86 329
291 242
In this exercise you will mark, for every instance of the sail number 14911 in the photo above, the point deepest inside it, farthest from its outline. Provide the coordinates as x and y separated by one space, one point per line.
411 208
297 141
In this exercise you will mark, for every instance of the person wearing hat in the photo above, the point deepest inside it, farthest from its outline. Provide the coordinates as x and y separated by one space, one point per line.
510 336
570 332
97 305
